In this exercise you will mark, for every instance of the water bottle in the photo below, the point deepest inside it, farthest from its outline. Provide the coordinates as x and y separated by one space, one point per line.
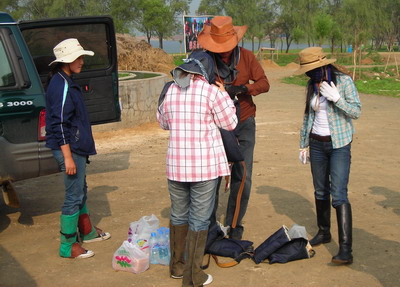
166 231
154 248
166 235
163 252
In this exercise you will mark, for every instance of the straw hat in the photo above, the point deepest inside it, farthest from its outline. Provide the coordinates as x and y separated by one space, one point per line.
311 58
221 36
68 51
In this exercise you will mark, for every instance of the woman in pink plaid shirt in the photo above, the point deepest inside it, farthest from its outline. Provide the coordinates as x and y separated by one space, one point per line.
193 110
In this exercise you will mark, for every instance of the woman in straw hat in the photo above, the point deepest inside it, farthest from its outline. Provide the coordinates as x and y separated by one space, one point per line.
325 138
243 78
69 135
193 110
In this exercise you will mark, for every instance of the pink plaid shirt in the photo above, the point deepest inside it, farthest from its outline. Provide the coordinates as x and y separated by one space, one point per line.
193 116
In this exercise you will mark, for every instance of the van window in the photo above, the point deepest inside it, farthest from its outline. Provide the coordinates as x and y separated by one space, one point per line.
41 42
7 78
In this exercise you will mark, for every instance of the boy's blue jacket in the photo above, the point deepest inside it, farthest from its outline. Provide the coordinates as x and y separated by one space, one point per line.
67 120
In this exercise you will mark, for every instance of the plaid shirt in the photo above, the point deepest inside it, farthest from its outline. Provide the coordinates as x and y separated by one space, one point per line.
193 116
340 115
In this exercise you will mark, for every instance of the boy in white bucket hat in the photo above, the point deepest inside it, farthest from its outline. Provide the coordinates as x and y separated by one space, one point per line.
69 135
68 51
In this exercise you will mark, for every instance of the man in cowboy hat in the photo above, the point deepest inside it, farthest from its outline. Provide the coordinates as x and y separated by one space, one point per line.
236 67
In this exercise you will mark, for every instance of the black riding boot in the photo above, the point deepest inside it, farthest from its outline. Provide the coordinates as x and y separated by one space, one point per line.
324 222
344 220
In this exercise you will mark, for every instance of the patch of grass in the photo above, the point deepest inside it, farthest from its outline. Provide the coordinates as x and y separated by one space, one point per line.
374 56
284 59
300 80
372 81
382 87
390 71
377 81
178 59
137 75
344 59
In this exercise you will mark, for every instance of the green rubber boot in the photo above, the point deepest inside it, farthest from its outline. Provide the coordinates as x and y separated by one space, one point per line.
69 224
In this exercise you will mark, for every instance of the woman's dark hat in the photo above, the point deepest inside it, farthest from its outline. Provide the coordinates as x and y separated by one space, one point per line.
199 63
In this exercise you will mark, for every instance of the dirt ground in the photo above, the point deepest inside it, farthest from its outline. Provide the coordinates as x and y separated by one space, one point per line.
127 181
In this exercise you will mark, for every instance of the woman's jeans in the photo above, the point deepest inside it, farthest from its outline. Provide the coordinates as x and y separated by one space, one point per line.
192 203
330 169
75 185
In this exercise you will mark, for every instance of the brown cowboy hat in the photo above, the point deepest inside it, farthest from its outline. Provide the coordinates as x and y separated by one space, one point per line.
221 36
311 58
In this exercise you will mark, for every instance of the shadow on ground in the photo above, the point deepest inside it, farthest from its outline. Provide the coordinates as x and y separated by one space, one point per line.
392 200
15 273
380 259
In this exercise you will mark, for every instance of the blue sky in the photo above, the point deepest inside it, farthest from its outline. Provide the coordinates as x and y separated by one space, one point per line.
193 6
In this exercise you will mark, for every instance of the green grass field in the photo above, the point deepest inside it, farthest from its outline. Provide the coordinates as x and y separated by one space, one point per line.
373 81
368 80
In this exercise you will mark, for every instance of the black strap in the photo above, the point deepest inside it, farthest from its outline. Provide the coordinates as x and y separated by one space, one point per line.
228 264
68 235
247 253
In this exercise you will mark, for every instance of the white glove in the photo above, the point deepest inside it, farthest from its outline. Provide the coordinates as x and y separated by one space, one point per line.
303 155
330 92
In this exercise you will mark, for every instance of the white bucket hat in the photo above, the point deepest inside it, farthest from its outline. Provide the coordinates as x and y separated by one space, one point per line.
68 51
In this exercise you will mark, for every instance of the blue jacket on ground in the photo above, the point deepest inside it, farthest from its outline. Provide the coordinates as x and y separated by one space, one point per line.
67 119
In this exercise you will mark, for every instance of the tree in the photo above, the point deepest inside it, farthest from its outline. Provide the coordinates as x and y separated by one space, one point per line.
323 24
211 7
358 18
120 10
286 20
297 35
336 35
304 17
340 21
12 7
163 22
255 14
146 16
158 17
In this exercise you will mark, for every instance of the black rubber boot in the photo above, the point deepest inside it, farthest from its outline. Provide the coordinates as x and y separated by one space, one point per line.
344 219
324 222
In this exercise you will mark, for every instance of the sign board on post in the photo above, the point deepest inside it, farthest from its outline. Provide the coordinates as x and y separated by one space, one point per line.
192 26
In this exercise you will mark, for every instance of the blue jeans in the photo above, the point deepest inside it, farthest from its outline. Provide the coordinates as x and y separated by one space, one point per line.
330 169
75 185
192 203
246 134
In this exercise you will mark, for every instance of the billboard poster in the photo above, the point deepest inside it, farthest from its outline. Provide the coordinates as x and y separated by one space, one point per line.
192 28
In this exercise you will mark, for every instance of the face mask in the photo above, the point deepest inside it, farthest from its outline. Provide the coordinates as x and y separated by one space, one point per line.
316 75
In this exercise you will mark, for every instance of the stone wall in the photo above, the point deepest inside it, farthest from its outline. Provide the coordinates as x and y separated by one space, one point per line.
139 101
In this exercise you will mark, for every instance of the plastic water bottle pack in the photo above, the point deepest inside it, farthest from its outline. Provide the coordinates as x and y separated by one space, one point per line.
159 247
